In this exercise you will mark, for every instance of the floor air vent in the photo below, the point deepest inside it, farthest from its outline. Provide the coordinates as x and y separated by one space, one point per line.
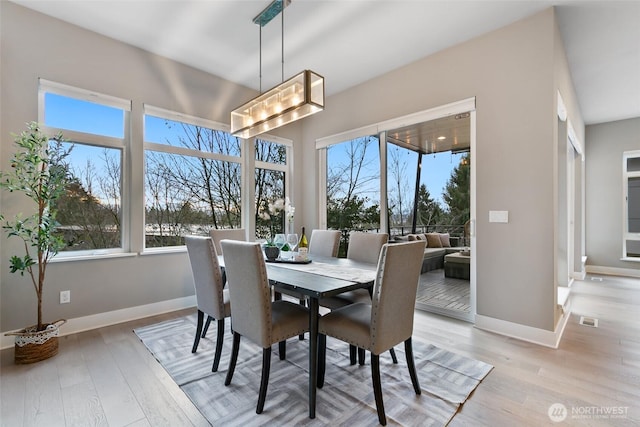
589 321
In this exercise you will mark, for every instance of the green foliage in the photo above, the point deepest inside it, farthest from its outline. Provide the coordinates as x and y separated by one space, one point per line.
457 193
40 172
429 210
351 214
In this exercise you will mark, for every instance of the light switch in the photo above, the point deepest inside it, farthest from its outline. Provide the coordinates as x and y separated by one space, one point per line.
499 216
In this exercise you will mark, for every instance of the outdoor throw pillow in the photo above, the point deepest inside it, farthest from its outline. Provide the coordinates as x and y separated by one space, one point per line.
444 239
433 240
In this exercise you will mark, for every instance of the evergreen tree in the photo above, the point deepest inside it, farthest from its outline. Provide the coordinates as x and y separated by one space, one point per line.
429 211
457 193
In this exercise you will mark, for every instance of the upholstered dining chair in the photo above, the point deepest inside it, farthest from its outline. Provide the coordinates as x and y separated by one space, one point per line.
387 321
211 298
363 247
254 316
324 242
218 234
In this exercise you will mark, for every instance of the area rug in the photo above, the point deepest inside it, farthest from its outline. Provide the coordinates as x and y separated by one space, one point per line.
446 379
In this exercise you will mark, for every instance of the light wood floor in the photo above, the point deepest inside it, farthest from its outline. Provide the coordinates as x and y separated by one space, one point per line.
106 377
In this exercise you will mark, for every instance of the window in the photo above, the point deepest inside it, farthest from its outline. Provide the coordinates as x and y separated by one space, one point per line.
270 186
631 205
402 166
353 185
91 211
192 177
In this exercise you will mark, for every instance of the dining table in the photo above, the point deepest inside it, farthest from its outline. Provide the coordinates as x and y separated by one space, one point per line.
316 278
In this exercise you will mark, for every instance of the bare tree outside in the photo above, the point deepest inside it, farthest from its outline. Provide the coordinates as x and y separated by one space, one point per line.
90 211
189 194
353 190
269 186
400 189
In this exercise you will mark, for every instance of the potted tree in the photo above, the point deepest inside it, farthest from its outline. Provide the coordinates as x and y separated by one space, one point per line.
40 172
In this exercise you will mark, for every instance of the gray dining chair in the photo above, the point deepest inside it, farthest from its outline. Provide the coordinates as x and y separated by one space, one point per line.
218 234
363 247
211 298
386 321
254 315
324 242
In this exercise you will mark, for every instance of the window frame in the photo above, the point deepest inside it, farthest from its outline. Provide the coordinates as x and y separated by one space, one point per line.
626 174
94 140
286 168
169 149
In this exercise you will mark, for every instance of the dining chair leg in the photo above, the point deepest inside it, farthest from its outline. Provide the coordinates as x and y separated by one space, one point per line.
377 388
196 340
206 326
361 356
234 358
352 354
408 350
264 382
322 356
393 356
282 349
219 342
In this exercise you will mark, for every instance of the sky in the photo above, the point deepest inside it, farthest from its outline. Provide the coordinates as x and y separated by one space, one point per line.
436 169
67 113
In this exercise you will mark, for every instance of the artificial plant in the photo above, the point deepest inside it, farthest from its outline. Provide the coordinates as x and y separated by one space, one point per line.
40 172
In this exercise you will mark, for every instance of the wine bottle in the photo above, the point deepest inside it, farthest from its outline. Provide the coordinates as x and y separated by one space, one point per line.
303 246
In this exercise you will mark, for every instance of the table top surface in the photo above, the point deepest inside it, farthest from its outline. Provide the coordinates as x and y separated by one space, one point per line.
323 277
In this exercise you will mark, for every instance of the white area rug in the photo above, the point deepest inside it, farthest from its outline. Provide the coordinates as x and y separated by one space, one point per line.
446 379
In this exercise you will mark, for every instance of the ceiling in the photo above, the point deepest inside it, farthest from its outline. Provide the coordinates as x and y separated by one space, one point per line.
351 41
449 133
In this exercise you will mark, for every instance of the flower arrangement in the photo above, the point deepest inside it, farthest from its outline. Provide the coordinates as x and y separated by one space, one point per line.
272 214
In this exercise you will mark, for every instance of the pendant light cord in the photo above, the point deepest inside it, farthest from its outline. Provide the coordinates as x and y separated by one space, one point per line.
260 70
281 46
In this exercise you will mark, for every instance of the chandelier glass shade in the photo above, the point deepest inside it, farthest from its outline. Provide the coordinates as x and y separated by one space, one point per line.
291 100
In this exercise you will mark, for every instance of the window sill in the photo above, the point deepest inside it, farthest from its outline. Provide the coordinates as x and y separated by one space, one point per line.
91 257
165 250
630 259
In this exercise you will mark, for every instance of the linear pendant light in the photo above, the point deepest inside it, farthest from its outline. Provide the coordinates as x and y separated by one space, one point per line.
293 99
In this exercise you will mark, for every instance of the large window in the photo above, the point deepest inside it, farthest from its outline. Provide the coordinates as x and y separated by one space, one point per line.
192 177
353 186
631 205
91 211
402 166
271 188
194 173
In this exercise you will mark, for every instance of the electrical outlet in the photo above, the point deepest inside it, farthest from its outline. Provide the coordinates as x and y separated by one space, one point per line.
65 297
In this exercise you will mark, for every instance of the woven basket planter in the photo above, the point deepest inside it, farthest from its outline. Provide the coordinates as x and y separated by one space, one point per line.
33 346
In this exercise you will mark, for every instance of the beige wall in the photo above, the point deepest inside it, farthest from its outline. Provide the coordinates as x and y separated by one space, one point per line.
512 74
605 144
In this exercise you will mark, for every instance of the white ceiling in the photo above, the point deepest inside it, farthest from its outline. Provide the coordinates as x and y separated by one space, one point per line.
351 41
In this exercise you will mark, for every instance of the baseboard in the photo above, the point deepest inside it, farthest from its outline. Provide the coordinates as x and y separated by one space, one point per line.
523 332
613 271
94 321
